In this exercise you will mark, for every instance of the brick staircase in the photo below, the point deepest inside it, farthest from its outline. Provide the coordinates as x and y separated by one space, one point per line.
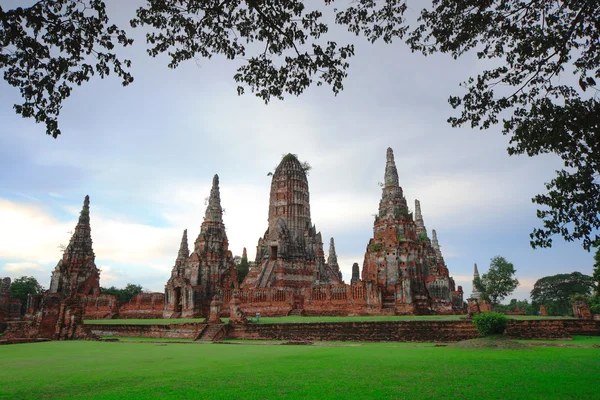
209 333
389 301
265 276
296 312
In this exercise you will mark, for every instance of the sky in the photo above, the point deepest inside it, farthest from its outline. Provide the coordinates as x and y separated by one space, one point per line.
146 155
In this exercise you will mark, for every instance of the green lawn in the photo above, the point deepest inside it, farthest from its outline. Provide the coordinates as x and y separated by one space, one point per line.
107 370
293 319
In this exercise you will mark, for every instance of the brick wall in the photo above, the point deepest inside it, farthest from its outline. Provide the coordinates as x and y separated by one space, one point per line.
404 331
182 331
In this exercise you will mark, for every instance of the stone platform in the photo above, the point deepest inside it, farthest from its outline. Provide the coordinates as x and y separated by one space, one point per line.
380 331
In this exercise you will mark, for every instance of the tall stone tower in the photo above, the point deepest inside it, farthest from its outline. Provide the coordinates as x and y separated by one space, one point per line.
290 254
76 272
401 260
197 277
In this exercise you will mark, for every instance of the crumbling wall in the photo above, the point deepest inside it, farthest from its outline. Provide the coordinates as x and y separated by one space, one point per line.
182 331
144 306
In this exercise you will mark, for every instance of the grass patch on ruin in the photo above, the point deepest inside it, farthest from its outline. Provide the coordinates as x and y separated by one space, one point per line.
107 370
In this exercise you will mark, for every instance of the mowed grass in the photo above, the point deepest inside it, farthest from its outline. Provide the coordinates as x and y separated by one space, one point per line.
107 370
300 319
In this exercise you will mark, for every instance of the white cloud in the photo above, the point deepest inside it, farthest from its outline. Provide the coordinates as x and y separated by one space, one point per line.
22 268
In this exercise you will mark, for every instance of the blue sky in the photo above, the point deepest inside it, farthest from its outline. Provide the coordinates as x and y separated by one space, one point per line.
146 155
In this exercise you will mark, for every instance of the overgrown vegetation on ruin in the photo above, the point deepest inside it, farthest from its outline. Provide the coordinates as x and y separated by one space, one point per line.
96 370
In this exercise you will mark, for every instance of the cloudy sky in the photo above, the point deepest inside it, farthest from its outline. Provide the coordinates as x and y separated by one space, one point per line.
146 155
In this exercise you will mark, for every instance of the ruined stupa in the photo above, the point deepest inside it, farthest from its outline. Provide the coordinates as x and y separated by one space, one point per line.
197 277
290 254
475 294
405 264
76 272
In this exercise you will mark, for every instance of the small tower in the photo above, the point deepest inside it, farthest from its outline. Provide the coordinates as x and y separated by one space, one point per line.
475 294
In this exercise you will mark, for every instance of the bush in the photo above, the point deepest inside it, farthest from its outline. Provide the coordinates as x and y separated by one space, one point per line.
490 323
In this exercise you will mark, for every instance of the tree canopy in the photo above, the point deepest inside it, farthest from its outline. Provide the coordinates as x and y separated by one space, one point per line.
242 268
124 295
22 287
555 291
498 282
541 89
596 274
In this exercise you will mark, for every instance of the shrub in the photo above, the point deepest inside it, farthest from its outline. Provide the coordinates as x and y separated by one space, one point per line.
490 323
376 247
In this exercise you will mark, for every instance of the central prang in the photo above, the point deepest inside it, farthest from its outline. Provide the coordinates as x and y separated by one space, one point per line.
290 254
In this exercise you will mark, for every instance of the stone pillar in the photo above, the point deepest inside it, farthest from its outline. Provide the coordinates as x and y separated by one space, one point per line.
215 310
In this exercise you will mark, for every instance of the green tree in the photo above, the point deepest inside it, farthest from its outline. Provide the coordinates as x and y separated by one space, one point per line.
596 274
124 295
555 291
534 47
242 268
498 282
22 287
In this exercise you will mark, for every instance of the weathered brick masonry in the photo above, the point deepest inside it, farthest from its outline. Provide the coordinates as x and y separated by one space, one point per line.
405 331
182 331
401 331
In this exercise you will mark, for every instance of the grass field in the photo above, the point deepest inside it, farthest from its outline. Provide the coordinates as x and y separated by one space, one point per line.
294 319
97 370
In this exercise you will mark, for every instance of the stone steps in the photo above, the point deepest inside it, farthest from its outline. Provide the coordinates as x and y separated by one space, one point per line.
296 312
209 333
265 275
389 301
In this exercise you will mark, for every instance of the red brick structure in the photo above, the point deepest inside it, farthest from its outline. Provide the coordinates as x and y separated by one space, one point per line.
403 270
581 310
74 290
543 311
197 278
402 261
290 254
143 306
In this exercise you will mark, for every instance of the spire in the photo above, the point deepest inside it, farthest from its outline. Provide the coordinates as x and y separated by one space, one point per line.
393 204
84 215
184 251
355 273
436 245
420 225
214 212
332 258
475 294
244 255
391 173
80 245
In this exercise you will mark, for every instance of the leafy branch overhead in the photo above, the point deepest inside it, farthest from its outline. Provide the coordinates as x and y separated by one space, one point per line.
542 90
48 48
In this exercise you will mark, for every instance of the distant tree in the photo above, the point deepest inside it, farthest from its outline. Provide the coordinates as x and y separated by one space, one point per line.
596 274
126 294
555 291
498 282
242 268
23 287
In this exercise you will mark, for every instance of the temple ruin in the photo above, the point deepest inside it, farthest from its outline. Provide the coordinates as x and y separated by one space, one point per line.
404 263
197 277
290 254
74 290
